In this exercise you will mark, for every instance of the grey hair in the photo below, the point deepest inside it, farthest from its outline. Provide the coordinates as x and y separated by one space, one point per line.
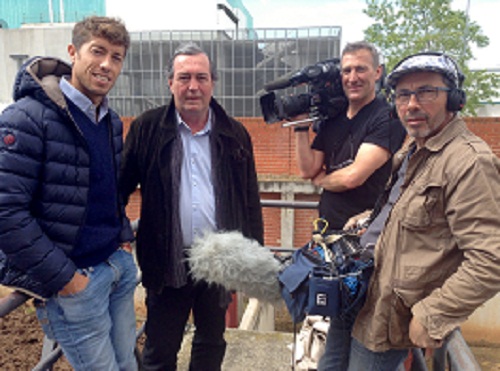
360 45
190 49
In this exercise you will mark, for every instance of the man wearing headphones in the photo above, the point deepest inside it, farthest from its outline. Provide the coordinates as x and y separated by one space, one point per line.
437 235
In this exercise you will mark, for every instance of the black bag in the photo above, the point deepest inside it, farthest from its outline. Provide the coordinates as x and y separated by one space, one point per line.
355 285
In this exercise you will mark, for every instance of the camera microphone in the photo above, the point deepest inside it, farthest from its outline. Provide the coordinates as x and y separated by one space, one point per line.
281 83
291 79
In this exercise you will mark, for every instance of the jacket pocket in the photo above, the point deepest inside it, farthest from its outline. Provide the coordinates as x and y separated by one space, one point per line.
400 317
424 223
422 209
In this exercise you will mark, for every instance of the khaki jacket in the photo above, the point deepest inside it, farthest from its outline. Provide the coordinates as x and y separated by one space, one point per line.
438 257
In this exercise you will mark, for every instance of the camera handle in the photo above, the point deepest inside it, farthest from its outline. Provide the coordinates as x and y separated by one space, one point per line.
294 123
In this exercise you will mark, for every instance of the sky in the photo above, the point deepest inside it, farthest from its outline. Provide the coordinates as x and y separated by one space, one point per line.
162 15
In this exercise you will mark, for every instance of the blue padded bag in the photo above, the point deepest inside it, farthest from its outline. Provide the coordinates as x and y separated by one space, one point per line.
294 282
324 293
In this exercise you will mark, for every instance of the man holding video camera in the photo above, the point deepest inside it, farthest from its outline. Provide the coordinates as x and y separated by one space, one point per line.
350 160
349 157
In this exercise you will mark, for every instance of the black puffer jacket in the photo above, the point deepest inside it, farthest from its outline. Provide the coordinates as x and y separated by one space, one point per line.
44 181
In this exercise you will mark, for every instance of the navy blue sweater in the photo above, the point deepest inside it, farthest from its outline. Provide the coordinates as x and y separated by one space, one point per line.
99 236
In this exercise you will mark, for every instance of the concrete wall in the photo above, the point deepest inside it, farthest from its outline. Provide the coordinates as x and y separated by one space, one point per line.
489 110
19 44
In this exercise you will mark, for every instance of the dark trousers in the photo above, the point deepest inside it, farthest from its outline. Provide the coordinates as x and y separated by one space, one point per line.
167 316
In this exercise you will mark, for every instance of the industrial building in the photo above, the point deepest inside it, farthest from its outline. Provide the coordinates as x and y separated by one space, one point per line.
246 58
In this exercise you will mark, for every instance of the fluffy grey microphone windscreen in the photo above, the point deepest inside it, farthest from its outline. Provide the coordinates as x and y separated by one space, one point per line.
237 263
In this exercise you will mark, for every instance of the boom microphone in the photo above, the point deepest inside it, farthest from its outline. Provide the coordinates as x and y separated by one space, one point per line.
237 263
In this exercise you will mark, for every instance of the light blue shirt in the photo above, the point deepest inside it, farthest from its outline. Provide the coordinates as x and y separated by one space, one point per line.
197 200
83 102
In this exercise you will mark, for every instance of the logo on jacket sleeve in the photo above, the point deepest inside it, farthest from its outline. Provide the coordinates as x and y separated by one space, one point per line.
9 139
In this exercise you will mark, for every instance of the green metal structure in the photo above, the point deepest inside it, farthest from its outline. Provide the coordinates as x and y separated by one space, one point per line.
15 13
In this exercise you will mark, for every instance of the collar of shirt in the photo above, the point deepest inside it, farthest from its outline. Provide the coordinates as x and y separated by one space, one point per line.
83 102
204 131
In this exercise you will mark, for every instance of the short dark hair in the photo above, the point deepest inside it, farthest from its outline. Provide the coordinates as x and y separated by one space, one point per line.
360 45
190 49
111 29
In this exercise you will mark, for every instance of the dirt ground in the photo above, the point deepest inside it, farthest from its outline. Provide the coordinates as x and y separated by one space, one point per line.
21 341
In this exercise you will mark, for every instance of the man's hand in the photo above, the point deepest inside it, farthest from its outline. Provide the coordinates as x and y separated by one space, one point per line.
356 221
302 127
420 337
126 246
318 178
310 161
368 159
77 284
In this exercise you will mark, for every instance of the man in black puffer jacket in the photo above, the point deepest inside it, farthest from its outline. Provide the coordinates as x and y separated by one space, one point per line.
64 235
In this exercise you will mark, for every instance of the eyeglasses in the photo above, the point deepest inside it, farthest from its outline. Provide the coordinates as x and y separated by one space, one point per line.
424 94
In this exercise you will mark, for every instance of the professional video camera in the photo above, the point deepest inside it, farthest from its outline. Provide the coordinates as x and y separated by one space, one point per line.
325 97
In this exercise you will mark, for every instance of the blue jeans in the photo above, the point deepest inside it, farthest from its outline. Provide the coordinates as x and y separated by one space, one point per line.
96 327
363 359
338 344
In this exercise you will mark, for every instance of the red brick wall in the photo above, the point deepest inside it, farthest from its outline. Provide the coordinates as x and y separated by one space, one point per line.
272 220
488 128
274 149
303 221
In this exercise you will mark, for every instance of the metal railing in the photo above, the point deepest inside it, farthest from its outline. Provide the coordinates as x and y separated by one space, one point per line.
290 204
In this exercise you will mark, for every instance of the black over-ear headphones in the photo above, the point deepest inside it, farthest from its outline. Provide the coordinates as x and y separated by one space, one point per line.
456 96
